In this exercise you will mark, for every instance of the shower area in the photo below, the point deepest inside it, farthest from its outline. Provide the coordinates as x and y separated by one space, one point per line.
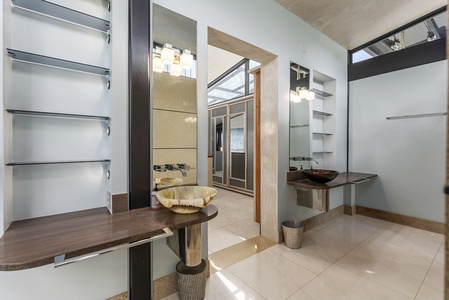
231 144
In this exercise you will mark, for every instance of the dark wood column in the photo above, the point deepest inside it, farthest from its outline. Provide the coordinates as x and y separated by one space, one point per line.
140 41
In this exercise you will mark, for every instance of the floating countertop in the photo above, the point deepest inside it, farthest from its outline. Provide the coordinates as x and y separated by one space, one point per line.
297 179
36 242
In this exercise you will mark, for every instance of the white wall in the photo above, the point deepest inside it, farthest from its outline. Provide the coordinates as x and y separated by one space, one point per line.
408 155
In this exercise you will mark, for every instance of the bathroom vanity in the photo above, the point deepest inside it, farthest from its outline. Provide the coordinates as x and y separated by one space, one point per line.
316 195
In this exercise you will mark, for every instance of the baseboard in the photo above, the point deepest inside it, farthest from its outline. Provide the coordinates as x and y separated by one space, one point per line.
350 210
419 223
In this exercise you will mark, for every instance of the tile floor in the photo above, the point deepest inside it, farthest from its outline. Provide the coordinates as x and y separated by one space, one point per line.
232 225
350 257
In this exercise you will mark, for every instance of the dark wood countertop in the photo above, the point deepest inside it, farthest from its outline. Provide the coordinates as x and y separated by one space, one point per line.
298 180
35 242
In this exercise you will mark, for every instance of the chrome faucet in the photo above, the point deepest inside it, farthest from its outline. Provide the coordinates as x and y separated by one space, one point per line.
172 167
303 158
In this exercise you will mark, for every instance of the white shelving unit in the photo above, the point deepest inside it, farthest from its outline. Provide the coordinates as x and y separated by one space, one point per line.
57 107
323 129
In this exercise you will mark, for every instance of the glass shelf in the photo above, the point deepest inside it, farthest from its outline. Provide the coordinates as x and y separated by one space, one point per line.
57 162
300 125
323 133
322 152
64 13
321 114
321 93
53 114
56 62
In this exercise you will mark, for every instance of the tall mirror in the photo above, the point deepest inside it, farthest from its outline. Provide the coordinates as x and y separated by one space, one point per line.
300 148
218 151
237 148
174 96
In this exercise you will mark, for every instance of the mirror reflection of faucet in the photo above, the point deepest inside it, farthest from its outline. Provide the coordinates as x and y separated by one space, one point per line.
182 167
303 158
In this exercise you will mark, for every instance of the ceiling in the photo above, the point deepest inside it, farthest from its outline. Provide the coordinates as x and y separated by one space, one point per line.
352 23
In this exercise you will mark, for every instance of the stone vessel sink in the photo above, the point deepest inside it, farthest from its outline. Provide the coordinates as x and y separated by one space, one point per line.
320 175
186 199
167 182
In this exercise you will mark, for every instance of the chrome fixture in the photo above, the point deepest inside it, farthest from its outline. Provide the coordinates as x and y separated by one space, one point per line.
174 58
303 158
182 167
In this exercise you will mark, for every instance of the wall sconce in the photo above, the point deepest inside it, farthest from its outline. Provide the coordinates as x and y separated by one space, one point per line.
173 58
301 93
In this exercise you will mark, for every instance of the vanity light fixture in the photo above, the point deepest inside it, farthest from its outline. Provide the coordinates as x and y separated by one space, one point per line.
301 93
158 65
175 70
168 54
294 97
186 59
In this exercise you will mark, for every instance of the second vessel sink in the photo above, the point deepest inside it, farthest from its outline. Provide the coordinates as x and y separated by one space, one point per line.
167 182
320 175
186 199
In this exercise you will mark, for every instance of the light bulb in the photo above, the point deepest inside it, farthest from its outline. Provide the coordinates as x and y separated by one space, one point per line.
294 97
186 59
175 70
158 66
168 54
302 93
310 95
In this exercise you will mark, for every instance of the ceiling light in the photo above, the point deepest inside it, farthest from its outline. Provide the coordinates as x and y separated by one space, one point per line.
186 59
168 54
175 70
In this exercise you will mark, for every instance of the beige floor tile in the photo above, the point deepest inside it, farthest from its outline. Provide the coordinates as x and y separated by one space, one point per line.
403 277
300 295
429 293
222 238
337 283
246 229
313 256
271 275
336 239
435 276
414 255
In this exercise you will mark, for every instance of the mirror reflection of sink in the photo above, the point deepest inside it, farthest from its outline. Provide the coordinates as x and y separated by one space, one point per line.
167 182
186 199
320 175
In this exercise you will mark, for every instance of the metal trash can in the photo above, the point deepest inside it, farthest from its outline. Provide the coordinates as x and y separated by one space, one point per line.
292 231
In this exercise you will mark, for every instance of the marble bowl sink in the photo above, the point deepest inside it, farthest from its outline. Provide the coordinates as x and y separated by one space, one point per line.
167 182
320 175
186 199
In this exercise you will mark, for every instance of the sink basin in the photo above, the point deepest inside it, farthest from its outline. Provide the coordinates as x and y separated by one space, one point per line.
320 175
186 199
167 182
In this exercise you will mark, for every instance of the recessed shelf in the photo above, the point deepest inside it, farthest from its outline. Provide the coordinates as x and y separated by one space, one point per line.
32 163
321 93
300 125
56 62
54 114
321 114
63 13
